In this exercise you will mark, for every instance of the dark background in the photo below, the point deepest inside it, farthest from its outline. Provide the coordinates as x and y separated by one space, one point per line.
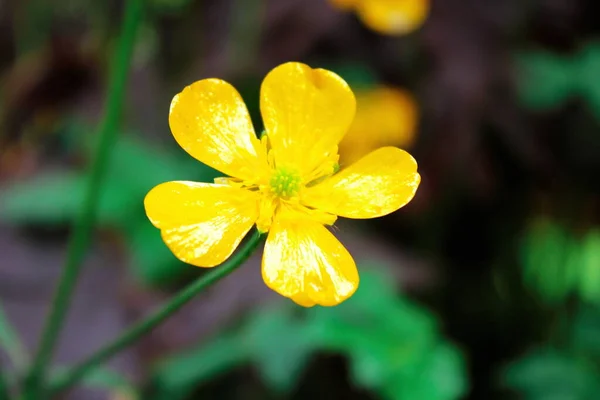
497 258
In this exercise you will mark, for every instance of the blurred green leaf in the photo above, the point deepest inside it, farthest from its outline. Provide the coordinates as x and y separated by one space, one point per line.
548 374
557 264
54 198
358 76
179 375
440 377
545 255
545 79
115 382
588 65
589 257
151 259
280 346
404 332
585 331
390 343
135 168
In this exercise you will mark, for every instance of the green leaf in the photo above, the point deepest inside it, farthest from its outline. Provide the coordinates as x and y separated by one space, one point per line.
383 334
585 333
358 76
441 377
589 256
389 341
142 166
180 374
547 374
588 65
280 346
545 79
102 378
151 259
546 256
54 199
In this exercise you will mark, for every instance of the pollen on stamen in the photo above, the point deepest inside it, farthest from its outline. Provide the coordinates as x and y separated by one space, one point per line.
285 182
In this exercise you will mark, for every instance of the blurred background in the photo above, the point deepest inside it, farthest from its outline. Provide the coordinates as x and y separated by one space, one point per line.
486 286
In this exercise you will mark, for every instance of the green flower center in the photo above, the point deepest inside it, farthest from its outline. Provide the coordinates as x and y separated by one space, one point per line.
285 182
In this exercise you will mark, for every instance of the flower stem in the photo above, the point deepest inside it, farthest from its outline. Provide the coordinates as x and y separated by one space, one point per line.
84 222
70 377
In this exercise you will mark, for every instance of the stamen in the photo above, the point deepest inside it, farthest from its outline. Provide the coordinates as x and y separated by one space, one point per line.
285 182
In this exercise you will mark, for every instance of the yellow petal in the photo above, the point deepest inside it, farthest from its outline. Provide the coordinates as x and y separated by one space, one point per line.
393 16
305 262
385 116
303 300
376 185
201 223
306 113
210 121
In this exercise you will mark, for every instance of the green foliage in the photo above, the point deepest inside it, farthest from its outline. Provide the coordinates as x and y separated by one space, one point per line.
54 198
358 76
547 80
106 379
557 264
570 370
393 347
553 375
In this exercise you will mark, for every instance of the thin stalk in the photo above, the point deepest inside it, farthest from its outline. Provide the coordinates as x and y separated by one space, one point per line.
84 222
72 376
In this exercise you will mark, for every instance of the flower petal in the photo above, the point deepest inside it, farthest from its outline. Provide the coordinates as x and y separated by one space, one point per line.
210 121
385 116
306 113
201 223
303 300
376 185
393 17
305 262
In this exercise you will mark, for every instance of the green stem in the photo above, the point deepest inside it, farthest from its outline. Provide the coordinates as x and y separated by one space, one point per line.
70 377
11 343
85 219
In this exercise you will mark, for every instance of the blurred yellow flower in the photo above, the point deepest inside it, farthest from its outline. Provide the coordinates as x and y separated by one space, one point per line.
392 17
285 183
385 116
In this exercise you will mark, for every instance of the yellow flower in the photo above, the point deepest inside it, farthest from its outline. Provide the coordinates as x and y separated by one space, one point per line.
285 183
393 17
385 116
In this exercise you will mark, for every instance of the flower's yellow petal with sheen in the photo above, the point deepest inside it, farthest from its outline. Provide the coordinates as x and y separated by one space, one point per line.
201 223
376 185
210 121
303 300
385 116
306 113
393 17
305 262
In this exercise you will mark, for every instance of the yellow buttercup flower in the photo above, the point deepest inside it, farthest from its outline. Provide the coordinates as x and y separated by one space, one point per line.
286 182
393 17
385 116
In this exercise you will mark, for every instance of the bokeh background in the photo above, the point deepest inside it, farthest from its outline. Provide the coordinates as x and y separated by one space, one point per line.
486 286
